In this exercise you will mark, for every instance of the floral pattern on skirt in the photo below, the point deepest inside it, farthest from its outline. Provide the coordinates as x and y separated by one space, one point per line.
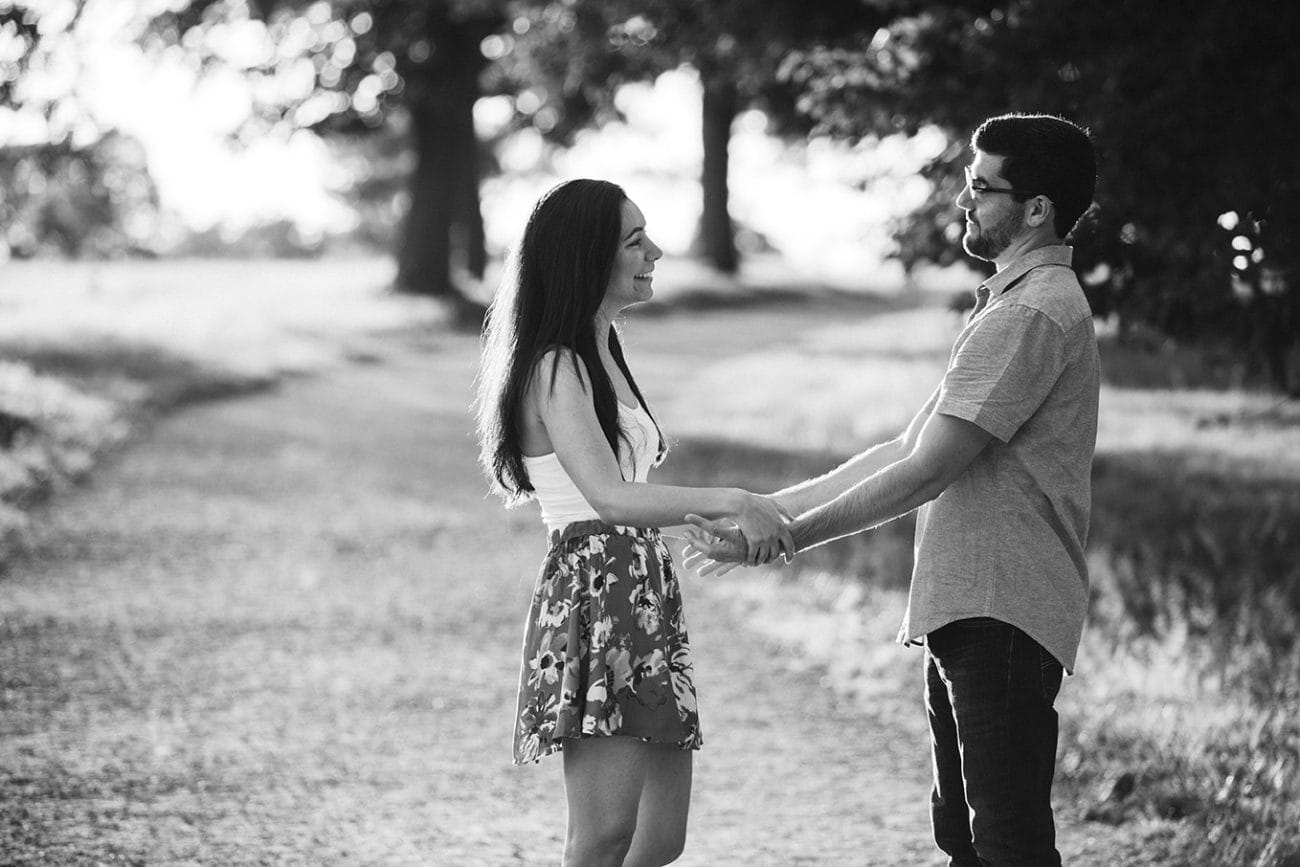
605 645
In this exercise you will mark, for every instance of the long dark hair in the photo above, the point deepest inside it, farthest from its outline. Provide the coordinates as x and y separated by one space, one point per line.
549 296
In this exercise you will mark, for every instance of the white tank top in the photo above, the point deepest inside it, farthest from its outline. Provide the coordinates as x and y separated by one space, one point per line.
561 501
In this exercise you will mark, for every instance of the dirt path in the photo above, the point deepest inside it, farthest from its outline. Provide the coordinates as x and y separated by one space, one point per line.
285 632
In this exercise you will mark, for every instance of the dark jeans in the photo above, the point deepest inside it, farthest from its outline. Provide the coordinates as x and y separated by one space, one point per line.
989 690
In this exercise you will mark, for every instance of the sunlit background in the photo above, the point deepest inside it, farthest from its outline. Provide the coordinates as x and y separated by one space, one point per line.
826 206
245 249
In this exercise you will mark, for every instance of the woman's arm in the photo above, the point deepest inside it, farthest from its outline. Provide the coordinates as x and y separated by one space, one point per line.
566 410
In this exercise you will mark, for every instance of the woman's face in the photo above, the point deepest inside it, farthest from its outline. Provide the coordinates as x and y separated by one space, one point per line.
634 261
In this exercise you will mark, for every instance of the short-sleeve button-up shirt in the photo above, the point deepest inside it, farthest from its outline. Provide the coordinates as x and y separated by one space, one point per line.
1006 539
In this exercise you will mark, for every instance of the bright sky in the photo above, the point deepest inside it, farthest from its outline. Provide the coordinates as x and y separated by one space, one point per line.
802 198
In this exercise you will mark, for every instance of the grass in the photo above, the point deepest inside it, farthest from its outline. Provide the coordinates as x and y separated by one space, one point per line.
63 406
91 352
1186 715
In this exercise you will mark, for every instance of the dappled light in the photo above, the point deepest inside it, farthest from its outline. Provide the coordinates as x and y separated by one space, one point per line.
258 605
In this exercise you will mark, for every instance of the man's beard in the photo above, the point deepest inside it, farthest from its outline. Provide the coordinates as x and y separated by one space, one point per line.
992 240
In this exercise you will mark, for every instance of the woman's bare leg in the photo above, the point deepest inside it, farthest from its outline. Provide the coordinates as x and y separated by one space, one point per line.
665 801
603 779
628 802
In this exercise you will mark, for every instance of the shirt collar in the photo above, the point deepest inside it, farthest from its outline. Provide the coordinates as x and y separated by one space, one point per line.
1053 254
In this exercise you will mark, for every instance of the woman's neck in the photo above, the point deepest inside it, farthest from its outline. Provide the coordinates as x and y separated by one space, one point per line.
603 324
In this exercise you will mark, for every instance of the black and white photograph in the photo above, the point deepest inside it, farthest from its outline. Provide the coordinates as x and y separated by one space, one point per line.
720 433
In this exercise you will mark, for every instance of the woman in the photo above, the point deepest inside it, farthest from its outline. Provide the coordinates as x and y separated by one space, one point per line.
606 675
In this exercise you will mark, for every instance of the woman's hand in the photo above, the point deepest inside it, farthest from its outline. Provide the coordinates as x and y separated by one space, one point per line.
713 547
764 526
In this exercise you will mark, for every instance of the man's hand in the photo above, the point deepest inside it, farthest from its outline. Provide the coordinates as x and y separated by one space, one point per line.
764 529
715 547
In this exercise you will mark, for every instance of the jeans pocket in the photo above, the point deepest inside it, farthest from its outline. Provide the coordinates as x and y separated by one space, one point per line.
974 635
1052 673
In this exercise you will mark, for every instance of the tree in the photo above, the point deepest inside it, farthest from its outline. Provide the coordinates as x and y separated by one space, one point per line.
71 184
581 49
94 200
352 67
1194 115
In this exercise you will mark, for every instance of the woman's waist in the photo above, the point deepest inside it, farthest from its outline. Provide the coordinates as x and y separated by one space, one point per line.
596 527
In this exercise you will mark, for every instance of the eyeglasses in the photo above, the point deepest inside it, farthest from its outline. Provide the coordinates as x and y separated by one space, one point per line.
979 188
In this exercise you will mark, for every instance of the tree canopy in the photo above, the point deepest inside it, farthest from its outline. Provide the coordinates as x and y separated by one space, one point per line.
572 55
69 182
1195 232
1197 224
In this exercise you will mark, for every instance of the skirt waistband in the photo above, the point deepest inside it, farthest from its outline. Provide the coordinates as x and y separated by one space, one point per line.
597 528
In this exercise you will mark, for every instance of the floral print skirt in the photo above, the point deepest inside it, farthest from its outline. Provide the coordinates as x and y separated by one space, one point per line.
605 646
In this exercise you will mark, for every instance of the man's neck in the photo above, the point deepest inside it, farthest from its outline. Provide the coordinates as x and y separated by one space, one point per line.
1023 246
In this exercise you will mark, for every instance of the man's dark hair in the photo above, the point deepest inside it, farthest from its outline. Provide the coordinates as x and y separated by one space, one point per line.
1045 154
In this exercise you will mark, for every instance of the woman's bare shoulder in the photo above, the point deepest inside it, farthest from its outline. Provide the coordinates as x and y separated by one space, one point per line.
558 367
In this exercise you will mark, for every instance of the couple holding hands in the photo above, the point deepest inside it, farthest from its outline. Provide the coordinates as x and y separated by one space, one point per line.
997 463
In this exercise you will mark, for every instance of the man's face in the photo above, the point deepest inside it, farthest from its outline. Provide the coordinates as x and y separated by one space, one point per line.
993 220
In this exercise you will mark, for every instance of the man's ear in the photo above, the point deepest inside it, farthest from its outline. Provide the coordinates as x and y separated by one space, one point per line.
1040 211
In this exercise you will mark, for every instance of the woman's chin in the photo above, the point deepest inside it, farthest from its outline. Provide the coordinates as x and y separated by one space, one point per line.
639 293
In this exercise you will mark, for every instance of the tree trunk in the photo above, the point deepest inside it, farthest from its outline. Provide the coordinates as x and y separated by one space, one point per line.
424 254
1275 337
717 239
468 219
444 222
1277 325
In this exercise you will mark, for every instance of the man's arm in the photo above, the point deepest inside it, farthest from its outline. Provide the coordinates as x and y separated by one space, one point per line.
812 493
945 447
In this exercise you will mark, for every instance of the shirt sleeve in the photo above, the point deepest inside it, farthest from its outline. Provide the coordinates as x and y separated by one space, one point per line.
1003 370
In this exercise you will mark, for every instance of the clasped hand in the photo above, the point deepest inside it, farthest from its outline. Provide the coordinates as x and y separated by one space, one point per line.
757 534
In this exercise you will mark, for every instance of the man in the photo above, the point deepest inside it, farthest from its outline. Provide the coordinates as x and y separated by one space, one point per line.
999 463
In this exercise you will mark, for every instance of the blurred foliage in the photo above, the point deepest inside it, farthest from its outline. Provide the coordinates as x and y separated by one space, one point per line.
404 72
1197 224
393 80
69 184
1197 569
414 69
1212 555
94 201
50 432
566 60
64 405
1233 790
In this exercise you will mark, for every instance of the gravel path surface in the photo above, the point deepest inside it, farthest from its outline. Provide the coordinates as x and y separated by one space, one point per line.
284 631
